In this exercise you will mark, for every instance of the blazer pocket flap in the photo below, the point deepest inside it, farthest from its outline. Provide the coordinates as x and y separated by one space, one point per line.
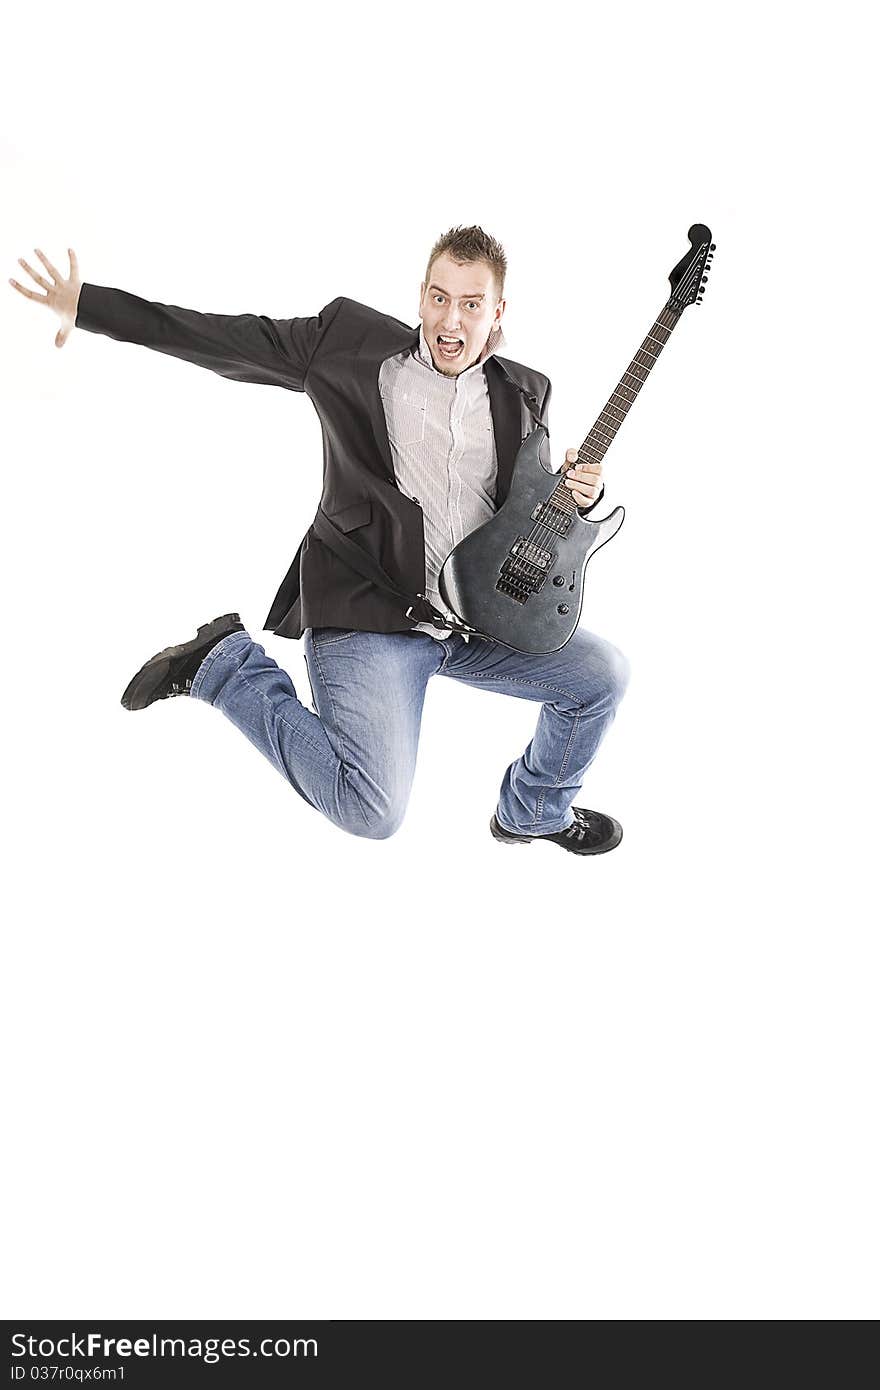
358 514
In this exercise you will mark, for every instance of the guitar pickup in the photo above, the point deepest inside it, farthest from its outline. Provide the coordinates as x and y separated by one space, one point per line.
532 554
552 517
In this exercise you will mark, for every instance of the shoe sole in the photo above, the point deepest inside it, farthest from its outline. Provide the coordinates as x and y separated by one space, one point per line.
506 837
139 692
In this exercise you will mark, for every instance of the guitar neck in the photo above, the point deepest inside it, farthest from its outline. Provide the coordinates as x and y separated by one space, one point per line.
602 435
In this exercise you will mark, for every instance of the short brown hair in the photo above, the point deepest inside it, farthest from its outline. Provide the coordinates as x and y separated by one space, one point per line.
468 244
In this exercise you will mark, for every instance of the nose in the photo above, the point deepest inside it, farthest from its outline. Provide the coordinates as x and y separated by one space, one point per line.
452 321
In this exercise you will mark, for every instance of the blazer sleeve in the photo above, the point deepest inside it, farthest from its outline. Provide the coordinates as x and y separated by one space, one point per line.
242 347
583 511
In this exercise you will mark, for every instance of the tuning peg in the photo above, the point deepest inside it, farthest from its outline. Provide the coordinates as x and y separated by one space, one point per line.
712 246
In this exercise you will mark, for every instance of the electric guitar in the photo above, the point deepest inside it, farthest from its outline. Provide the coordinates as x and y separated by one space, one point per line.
518 578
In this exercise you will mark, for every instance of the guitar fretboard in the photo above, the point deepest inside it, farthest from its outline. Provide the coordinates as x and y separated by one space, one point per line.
602 435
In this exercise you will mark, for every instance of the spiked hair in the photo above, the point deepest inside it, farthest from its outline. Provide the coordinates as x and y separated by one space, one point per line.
469 244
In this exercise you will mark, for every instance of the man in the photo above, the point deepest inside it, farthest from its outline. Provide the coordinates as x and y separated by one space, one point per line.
421 428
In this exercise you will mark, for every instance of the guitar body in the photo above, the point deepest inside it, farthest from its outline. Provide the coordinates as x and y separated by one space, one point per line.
519 577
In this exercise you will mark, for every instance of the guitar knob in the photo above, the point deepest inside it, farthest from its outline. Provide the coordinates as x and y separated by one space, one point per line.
558 580
562 608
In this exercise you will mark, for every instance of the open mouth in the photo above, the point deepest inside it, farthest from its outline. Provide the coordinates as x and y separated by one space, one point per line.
450 347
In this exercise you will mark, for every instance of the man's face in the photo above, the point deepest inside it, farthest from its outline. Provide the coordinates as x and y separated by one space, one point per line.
459 301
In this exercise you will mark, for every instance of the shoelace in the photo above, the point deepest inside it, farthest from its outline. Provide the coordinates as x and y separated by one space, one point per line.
579 826
576 831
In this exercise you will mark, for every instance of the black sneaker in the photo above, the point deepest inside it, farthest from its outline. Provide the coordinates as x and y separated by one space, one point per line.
172 671
590 832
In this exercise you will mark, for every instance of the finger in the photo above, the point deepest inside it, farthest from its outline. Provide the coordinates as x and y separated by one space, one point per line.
74 264
56 275
580 488
60 338
29 294
39 279
590 468
571 455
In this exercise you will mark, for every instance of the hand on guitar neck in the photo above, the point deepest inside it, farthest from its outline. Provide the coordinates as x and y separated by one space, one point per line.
584 479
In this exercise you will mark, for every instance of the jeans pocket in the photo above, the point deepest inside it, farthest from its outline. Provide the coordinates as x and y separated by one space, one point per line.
323 636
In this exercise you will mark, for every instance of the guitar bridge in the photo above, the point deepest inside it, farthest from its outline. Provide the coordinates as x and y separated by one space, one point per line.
524 570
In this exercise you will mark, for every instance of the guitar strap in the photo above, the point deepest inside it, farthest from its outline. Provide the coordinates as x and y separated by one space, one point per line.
419 608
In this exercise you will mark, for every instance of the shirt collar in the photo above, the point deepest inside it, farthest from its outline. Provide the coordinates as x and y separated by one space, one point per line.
494 343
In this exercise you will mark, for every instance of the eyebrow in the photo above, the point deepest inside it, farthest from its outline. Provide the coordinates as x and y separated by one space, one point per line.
449 296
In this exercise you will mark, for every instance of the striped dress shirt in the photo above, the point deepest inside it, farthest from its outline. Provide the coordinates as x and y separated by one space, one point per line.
443 450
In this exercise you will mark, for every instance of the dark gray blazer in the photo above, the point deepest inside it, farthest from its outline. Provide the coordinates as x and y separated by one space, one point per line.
334 357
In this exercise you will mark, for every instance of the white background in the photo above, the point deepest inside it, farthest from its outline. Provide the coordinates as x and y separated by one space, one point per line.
256 1067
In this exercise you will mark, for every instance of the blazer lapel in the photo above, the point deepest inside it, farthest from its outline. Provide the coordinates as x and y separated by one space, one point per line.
504 401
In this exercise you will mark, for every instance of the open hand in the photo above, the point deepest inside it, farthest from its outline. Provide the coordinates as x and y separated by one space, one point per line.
584 479
62 295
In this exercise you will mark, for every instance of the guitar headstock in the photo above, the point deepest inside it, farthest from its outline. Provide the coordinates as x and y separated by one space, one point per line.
689 277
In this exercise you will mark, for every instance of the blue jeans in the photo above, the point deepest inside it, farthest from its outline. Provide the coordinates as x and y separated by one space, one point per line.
354 759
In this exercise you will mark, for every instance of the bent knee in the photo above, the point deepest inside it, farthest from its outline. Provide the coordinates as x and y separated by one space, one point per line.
608 673
619 670
374 821
379 827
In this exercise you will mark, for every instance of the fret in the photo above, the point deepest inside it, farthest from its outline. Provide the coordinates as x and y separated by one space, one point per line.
614 412
614 421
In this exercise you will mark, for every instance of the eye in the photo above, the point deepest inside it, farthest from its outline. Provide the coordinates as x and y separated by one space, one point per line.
473 304
438 296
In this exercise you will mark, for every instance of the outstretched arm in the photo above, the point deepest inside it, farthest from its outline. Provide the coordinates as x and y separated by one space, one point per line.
242 347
